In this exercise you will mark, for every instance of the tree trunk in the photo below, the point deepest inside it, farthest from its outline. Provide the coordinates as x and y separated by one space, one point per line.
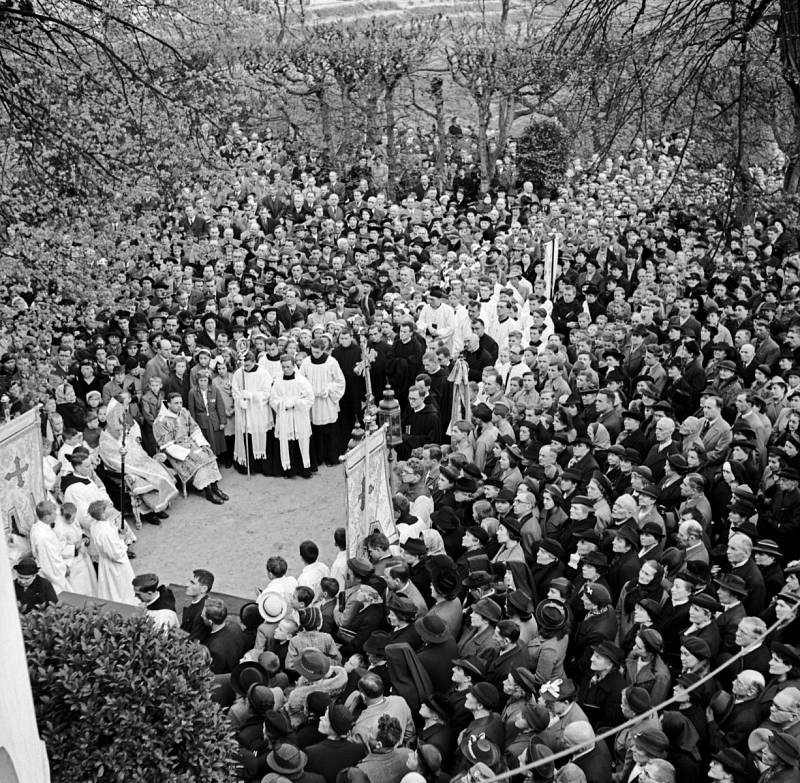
325 119
789 32
437 94
484 118
391 150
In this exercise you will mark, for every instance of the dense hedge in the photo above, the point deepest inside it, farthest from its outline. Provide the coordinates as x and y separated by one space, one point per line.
118 701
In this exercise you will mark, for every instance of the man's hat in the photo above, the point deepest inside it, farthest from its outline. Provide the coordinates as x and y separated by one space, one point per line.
767 546
272 606
732 583
488 609
313 664
785 747
486 694
286 759
472 665
628 533
732 761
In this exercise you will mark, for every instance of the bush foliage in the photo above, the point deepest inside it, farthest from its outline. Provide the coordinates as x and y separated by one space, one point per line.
117 700
543 150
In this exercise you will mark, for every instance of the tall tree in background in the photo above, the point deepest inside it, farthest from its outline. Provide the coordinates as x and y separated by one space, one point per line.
676 55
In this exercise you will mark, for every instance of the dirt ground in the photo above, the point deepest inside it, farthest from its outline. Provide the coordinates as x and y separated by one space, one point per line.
265 516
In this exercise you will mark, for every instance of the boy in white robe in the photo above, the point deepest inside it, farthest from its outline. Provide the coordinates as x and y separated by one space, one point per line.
328 384
47 547
292 398
114 573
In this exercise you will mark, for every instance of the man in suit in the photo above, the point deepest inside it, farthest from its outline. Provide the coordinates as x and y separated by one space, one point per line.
197 590
158 366
662 449
767 350
731 589
583 461
290 312
730 729
739 554
715 432
513 653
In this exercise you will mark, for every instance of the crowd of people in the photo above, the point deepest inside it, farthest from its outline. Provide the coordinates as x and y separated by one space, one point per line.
612 519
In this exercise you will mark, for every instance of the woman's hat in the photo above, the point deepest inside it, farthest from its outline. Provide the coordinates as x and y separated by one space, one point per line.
479 750
610 651
432 629
551 615
653 742
486 694
246 674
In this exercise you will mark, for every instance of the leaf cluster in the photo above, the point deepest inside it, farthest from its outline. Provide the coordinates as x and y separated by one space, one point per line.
117 700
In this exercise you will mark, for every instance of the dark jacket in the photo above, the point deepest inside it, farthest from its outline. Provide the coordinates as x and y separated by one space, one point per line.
596 764
192 621
437 660
328 757
601 699
420 427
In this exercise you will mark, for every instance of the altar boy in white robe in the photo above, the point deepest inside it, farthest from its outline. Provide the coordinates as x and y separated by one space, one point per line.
328 384
114 572
48 547
292 399
251 388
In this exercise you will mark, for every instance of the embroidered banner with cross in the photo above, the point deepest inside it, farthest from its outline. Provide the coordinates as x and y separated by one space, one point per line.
21 476
368 492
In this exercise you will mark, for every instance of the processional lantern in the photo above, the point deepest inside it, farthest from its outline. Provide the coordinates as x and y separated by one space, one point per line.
389 414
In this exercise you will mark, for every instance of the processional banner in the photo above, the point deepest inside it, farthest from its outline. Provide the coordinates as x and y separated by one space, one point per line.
21 474
368 492
551 265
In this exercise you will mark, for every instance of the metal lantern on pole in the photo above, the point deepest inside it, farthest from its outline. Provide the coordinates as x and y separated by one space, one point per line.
389 414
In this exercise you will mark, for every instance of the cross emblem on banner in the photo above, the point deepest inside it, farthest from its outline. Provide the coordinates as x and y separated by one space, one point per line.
18 473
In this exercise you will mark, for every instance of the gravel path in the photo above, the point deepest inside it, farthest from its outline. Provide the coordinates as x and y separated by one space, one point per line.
265 516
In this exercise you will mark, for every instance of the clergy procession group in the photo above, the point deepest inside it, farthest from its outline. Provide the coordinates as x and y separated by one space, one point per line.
613 518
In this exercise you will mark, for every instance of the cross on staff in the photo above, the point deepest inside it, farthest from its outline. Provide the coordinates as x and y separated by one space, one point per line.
367 357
